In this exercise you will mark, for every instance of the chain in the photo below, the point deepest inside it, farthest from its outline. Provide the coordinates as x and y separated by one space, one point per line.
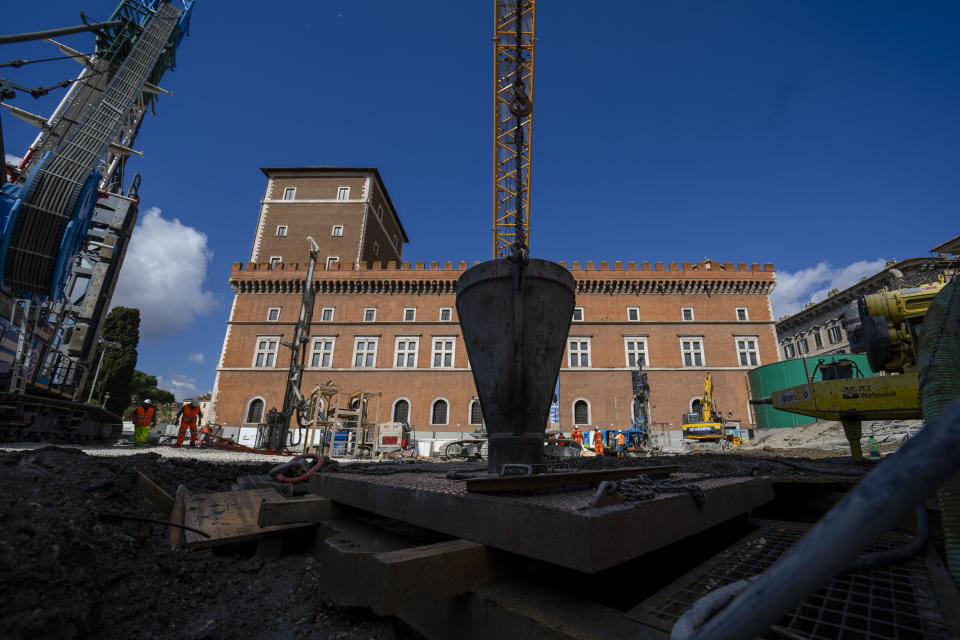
644 488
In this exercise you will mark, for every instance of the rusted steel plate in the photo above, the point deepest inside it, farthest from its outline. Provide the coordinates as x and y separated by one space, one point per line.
580 537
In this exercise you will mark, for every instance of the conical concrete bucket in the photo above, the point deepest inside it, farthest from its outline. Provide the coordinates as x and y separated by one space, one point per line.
515 323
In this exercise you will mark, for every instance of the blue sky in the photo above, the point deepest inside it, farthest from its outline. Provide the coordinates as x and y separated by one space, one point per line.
820 136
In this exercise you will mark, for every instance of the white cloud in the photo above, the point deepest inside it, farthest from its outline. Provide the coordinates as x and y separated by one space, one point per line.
195 357
812 284
12 159
180 385
163 275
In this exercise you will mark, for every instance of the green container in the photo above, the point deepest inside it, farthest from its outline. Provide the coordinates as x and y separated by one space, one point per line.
789 373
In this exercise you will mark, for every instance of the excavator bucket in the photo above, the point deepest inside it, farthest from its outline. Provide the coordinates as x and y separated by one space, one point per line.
515 318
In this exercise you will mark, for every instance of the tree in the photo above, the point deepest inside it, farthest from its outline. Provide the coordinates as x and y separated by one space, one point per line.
122 326
143 386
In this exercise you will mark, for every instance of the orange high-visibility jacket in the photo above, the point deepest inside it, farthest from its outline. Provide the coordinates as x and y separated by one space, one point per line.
143 417
577 435
621 439
190 414
598 440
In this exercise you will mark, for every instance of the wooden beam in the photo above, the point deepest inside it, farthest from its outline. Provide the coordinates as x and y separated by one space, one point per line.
177 517
309 508
454 567
228 517
160 499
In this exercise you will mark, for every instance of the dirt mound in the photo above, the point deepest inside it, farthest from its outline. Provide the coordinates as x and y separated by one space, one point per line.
64 573
829 435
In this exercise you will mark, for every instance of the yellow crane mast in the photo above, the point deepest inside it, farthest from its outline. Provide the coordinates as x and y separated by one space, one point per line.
514 38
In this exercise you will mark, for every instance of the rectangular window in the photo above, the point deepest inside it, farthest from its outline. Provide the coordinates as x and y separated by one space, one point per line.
579 352
742 314
337 230
326 314
281 231
396 243
332 260
289 193
788 349
343 193
446 314
376 248
410 314
275 260
578 314
380 212
802 346
633 314
687 314
406 351
747 351
833 333
266 352
692 350
370 314
273 314
321 352
636 349
817 340
443 352
365 353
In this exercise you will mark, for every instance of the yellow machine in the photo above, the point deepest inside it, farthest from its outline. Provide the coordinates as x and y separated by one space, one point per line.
707 424
887 329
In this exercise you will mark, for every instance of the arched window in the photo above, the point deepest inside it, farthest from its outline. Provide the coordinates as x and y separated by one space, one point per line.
438 413
476 414
401 411
696 406
581 412
255 410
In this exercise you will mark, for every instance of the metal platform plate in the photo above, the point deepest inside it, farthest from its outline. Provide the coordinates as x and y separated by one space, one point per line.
560 528
910 600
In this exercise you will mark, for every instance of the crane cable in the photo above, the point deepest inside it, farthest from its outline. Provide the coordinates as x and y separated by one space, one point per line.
520 107
16 64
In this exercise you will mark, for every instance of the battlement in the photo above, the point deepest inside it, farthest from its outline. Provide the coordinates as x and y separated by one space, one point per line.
587 268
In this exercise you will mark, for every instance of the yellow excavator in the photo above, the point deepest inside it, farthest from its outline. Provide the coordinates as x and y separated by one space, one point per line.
706 425
886 326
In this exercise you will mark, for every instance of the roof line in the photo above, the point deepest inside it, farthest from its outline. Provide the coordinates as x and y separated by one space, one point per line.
330 169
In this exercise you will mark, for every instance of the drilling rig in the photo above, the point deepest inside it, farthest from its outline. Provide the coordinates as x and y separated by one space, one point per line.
66 222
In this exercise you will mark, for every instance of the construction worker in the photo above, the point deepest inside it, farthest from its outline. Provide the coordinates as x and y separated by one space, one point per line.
621 444
597 441
143 418
188 416
577 436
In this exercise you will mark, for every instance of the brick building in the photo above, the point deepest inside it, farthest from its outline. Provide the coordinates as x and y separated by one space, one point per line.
383 324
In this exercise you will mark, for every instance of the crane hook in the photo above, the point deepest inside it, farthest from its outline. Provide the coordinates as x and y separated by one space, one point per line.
521 105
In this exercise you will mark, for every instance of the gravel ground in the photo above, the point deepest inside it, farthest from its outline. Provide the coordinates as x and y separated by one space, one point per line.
67 573
216 456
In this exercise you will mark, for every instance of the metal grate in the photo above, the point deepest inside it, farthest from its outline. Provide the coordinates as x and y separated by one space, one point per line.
896 602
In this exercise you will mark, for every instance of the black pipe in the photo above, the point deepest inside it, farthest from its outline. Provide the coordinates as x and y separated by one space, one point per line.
63 31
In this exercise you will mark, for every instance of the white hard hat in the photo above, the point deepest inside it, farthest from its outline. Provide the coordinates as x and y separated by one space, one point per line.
147 401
